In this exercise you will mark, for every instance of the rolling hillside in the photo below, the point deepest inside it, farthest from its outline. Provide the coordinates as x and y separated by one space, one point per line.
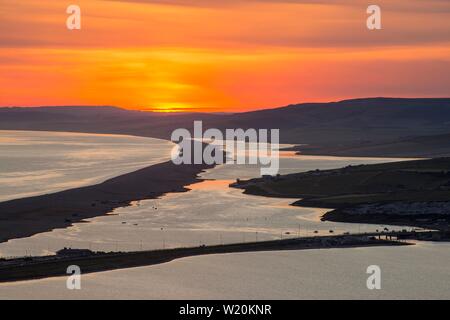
374 126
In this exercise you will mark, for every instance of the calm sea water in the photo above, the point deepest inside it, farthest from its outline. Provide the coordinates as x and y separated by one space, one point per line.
414 272
33 163
212 213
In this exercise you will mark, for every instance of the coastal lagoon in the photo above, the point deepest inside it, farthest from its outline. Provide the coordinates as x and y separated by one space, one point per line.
213 213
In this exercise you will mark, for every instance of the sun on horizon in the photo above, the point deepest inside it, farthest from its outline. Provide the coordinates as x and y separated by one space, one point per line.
221 56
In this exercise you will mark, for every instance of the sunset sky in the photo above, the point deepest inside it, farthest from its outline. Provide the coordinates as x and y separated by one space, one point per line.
220 55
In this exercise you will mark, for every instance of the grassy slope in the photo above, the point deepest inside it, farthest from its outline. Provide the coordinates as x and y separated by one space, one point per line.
408 181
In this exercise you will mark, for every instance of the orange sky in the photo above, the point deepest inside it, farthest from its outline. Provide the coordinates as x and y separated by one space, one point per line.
220 55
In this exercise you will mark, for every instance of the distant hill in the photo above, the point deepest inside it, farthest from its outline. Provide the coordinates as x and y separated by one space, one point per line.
411 147
355 120
374 126
95 119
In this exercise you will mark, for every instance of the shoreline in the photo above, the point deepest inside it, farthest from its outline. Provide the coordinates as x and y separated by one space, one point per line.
407 193
335 213
26 268
25 217
118 170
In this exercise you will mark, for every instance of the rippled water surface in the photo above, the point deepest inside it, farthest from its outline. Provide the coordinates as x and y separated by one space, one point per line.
413 272
34 163
213 213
